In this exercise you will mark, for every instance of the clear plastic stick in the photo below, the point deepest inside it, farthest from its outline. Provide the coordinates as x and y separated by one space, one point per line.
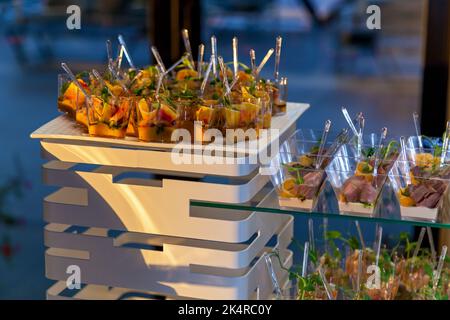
437 273
232 84
405 159
264 61
253 61
125 50
305 259
223 69
235 57
278 43
432 247
311 234
159 83
445 144
109 51
201 54
75 81
417 128
272 274
403 148
205 79
349 121
378 153
378 244
102 82
360 235
326 285
214 53
119 58
358 275
158 59
176 64
187 45
341 138
418 244
361 123
325 232
323 141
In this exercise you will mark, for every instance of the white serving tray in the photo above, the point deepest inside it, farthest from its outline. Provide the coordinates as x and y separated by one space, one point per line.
62 139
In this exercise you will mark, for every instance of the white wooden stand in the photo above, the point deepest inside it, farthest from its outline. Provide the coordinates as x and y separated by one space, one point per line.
122 214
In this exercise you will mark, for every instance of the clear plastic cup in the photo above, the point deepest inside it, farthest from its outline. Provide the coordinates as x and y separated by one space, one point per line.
356 186
156 121
296 180
420 188
109 118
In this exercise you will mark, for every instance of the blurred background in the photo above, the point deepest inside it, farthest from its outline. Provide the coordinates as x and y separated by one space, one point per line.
329 56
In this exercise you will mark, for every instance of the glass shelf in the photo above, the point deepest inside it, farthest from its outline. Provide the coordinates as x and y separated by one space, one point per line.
267 201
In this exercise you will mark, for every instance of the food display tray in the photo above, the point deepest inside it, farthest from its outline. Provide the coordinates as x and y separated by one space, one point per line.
62 139
122 213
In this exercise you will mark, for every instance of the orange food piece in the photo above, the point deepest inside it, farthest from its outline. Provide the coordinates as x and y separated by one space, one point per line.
405 201
74 94
244 76
360 168
186 73
204 114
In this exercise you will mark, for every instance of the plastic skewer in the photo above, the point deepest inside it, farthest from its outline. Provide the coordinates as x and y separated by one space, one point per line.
378 244
340 139
235 57
233 84
305 259
158 59
75 81
445 144
403 147
432 247
109 51
360 235
176 64
311 234
378 153
361 123
187 45
214 54
125 50
358 276
102 82
405 159
323 141
349 121
417 128
205 79
437 274
278 43
159 84
201 54
253 61
223 69
119 58
325 284
419 243
264 61
273 277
